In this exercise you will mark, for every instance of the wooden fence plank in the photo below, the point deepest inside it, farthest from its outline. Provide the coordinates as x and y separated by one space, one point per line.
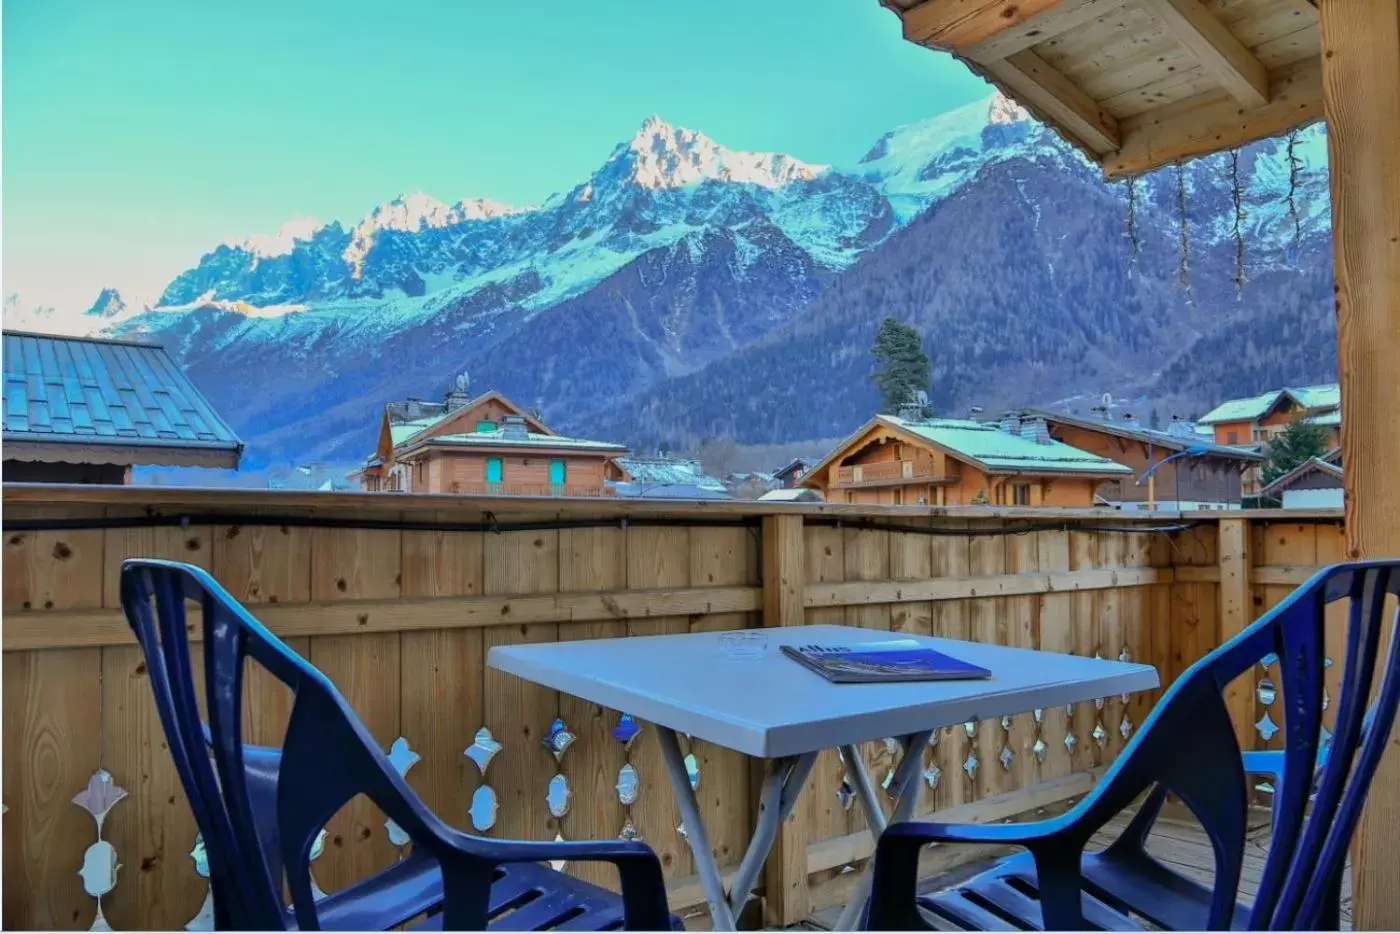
1084 554
442 693
52 739
658 557
351 564
951 560
518 712
726 557
592 559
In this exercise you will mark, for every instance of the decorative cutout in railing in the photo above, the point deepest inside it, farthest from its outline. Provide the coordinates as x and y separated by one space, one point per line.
402 759
628 782
484 803
99 870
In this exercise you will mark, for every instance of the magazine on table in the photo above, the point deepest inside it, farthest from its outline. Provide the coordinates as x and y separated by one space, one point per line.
876 662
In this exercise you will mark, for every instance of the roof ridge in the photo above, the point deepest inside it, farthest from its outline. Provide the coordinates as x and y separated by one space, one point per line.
84 339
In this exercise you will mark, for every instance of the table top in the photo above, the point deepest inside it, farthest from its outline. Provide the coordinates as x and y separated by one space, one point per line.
772 706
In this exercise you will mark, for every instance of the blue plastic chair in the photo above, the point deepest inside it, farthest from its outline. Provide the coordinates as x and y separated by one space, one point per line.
260 814
1056 885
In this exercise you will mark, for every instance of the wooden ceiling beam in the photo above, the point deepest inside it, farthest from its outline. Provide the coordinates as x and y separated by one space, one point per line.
1033 82
957 25
1057 20
1214 122
1216 48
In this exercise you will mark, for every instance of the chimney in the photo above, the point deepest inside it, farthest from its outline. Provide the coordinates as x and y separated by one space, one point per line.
513 428
455 399
1035 429
1011 423
1130 421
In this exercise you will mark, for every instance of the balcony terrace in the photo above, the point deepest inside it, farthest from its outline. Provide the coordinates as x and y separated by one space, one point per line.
398 599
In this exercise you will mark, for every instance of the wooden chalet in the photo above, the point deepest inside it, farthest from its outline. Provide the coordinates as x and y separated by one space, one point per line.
482 445
1316 483
1137 85
958 462
1210 478
87 410
1256 419
787 475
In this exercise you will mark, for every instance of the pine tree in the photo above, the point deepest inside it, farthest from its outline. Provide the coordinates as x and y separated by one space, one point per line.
902 366
1294 445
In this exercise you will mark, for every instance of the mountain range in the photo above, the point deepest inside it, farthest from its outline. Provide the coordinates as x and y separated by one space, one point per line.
687 291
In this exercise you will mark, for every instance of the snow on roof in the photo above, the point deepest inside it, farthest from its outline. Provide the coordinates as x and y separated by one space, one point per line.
999 450
1332 419
798 495
1323 396
665 471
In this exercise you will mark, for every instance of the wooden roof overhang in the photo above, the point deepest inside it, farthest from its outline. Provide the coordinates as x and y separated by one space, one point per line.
1138 84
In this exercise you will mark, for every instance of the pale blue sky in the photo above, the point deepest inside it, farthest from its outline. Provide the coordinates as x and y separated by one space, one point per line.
139 134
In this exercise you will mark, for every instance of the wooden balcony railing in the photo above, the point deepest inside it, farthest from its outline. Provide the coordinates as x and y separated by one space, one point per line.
401 621
886 472
527 489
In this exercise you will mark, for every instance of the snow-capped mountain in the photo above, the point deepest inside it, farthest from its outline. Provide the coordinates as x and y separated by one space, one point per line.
109 305
676 253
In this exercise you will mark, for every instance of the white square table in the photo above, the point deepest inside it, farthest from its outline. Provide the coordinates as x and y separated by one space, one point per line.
773 708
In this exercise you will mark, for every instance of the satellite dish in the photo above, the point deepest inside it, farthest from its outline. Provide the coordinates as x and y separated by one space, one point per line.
921 397
463 380
1107 399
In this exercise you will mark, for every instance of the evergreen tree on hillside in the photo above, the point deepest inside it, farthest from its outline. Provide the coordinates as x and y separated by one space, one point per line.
1298 442
902 367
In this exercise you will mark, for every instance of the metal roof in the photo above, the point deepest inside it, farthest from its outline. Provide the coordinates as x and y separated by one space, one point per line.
1323 396
89 391
655 472
1311 465
1150 435
500 438
998 450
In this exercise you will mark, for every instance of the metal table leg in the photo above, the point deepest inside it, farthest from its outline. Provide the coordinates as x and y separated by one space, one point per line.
905 786
780 790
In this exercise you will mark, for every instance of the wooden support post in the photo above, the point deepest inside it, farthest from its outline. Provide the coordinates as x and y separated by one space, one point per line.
1236 612
786 898
1361 100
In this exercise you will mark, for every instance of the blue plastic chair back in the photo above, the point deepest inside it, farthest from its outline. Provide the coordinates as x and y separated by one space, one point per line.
1303 871
327 757
1301 880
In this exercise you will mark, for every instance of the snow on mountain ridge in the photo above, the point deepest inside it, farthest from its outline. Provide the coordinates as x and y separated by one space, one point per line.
414 213
664 156
280 243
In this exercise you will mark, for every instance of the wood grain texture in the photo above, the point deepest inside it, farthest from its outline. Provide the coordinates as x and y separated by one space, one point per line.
592 559
519 712
442 687
1361 98
1212 44
658 557
52 739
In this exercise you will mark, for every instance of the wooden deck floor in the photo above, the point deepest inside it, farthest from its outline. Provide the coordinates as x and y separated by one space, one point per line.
1176 840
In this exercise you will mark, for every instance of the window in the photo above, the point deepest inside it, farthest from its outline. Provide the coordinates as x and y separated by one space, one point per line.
1021 494
558 472
1232 437
485 427
494 471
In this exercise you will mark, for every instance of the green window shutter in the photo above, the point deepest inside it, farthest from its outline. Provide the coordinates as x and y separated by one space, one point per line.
557 472
485 427
493 470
